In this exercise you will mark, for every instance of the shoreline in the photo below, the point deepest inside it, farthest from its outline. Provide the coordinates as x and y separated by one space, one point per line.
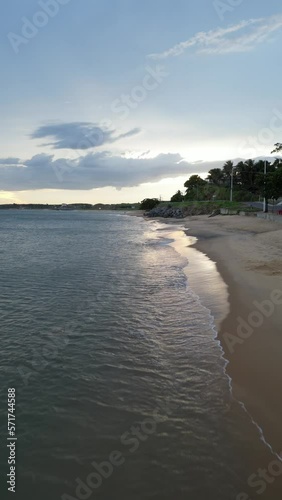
248 256
249 325
247 253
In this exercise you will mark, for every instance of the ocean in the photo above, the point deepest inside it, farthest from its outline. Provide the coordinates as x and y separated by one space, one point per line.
108 335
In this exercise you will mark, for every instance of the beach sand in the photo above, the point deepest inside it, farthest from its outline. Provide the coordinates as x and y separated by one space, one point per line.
248 255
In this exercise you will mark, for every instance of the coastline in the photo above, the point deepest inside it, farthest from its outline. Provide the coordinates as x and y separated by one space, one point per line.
248 255
247 252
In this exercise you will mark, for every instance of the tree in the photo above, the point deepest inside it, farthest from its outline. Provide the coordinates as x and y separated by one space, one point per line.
216 177
278 148
277 163
227 168
149 203
277 184
267 186
249 181
194 185
247 174
227 172
177 197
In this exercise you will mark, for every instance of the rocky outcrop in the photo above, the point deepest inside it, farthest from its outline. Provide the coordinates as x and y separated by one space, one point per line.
168 211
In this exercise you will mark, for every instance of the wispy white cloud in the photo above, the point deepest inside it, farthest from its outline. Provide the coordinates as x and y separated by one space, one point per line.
241 37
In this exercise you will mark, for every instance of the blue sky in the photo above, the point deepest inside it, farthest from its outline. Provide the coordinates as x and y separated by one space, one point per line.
120 100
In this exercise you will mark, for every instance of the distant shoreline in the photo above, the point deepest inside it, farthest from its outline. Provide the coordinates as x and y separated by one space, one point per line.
67 207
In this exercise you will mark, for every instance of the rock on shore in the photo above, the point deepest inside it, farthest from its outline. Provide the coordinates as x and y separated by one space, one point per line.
168 211
165 211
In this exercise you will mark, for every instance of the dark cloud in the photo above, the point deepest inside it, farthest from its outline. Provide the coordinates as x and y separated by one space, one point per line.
78 135
94 171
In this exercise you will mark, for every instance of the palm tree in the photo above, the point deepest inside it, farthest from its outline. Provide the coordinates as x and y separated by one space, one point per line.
227 171
216 177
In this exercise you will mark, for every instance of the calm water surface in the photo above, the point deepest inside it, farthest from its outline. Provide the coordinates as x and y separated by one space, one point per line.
111 350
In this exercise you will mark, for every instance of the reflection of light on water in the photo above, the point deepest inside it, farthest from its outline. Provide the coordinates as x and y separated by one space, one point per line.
184 245
201 272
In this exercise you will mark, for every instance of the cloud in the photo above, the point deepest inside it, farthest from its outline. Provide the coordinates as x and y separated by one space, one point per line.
241 37
95 170
78 135
9 161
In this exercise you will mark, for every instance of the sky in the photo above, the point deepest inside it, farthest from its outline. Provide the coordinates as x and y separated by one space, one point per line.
119 100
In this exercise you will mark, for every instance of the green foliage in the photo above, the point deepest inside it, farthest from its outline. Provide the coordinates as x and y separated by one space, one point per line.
249 181
149 203
278 148
271 184
194 187
277 179
227 170
194 181
207 207
216 176
178 196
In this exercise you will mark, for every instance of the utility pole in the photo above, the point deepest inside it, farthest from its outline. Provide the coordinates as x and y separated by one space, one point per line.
232 184
265 202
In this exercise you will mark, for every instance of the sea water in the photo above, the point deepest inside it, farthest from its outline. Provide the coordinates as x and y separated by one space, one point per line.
108 336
